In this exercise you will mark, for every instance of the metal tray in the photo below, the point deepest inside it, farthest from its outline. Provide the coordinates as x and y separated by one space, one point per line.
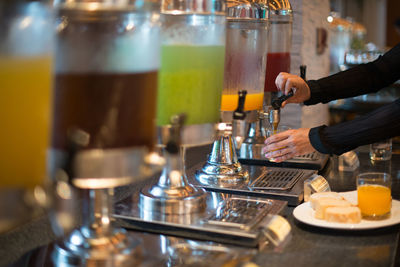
312 161
237 220
267 182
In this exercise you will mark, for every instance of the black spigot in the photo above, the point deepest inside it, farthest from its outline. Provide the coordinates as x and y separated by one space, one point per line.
277 103
239 113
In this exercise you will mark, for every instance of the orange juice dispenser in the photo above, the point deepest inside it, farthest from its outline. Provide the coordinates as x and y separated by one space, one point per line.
245 63
26 35
279 46
189 97
105 87
245 57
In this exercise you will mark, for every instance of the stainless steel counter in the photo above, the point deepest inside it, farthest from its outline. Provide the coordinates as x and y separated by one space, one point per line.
31 244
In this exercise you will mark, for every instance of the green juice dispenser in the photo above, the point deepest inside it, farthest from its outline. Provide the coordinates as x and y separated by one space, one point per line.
189 98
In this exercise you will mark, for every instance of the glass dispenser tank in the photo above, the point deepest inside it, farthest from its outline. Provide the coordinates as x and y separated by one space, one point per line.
189 97
279 44
246 54
106 67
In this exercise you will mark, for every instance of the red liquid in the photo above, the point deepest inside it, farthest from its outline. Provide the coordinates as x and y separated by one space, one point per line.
117 110
276 63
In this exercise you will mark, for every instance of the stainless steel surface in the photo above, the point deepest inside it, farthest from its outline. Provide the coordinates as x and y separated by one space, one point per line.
222 168
277 179
178 7
315 184
120 250
256 133
243 9
101 5
312 161
173 194
227 219
289 190
280 9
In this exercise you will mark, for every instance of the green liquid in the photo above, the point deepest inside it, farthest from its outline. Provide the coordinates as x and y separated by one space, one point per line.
190 81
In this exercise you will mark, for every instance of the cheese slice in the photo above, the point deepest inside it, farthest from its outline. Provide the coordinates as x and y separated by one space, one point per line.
323 203
332 195
343 214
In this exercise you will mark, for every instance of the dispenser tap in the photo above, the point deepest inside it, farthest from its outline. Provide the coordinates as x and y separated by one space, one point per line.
238 122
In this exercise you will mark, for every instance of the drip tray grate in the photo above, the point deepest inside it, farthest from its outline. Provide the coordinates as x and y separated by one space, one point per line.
277 179
311 156
239 213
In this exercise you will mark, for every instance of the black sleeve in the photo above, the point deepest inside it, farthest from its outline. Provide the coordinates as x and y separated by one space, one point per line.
363 79
379 124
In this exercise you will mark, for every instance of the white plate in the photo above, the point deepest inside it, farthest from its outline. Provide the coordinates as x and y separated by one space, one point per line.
304 213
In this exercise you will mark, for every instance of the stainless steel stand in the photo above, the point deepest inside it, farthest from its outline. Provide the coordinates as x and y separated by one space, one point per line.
97 241
172 194
223 168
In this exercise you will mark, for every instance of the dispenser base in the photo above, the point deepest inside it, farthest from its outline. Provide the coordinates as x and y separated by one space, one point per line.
185 200
222 175
118 249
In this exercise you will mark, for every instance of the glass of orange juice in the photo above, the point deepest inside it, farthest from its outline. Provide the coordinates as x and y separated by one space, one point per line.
374 195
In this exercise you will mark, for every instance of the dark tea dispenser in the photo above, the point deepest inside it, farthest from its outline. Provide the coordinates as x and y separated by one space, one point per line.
105 86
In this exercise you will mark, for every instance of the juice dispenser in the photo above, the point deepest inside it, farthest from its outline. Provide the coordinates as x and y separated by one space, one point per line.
189 97
105 86
279 44
246 54
25 111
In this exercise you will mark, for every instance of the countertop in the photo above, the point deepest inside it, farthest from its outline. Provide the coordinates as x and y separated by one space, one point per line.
32 244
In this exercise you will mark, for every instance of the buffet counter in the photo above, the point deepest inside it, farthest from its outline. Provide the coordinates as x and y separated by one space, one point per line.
32 244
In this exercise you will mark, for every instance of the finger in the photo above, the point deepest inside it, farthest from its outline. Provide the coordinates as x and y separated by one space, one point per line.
280 81
288 86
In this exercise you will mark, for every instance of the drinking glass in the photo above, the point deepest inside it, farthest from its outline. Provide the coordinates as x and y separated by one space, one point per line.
374 195
381 150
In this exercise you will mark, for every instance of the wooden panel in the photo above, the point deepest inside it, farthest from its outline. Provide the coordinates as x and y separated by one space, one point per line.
393 13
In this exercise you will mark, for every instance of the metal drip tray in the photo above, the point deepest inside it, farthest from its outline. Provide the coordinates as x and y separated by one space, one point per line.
277 179
267 182
312 161
238 220
240 213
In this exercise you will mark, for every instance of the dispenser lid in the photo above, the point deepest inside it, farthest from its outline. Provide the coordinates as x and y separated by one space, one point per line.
250 10
106 5
280 10
187 7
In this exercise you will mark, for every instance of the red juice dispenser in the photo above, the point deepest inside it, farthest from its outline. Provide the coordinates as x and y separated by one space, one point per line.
279 44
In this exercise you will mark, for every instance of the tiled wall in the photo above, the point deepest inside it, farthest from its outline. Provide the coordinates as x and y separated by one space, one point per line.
308 15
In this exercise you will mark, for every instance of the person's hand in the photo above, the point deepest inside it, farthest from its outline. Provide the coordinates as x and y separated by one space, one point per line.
287 82
287 144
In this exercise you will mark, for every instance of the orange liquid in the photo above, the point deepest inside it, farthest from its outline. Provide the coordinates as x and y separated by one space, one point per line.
25 93
253 102
374 200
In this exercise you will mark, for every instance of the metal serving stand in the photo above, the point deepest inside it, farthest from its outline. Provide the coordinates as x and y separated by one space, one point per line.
237 220
266 182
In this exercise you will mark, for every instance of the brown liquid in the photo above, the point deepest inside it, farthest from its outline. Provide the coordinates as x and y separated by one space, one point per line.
117 110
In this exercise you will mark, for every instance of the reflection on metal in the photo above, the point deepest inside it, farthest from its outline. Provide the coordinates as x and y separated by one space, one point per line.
222 168
172 194
265 182
187 7
238 220
256 134
315 184
280 8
